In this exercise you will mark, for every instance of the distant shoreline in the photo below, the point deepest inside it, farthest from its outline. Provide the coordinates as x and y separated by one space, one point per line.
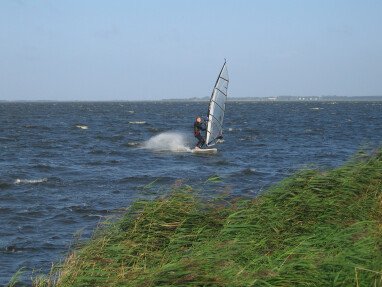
289 99
230 99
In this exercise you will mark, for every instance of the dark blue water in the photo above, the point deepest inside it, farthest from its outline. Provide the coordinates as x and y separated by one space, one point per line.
59 179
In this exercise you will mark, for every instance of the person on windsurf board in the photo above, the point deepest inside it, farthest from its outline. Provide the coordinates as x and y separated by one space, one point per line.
199 126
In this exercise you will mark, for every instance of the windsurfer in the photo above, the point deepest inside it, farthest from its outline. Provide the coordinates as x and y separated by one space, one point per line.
199 126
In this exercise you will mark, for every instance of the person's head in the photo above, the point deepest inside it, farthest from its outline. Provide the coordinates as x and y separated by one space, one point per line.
198 119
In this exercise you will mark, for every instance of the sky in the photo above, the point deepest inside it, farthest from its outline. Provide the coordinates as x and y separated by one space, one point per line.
94 50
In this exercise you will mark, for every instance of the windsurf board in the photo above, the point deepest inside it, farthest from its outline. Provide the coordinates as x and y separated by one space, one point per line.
205 150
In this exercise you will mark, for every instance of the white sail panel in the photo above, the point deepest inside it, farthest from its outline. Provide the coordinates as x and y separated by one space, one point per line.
216 109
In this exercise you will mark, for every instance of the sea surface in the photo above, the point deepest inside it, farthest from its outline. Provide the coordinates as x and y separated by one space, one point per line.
65 167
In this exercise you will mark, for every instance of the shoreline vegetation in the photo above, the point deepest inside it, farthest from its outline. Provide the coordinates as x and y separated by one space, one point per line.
314 228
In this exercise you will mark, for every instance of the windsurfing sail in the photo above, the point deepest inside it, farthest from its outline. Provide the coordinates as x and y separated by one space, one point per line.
216 109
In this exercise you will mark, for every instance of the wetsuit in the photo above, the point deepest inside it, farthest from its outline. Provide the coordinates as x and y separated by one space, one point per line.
197 128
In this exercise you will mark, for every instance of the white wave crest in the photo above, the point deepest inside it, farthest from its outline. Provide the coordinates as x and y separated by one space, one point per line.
40 180
316 109
168 141
137 123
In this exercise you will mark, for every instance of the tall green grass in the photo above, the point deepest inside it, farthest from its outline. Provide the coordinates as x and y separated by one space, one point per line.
312 229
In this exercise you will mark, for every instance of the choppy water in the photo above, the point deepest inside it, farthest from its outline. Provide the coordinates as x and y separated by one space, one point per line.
65 166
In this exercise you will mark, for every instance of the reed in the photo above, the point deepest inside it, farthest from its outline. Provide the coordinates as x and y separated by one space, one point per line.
312 229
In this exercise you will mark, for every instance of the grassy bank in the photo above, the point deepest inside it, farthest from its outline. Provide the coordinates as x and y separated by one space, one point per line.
312 229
